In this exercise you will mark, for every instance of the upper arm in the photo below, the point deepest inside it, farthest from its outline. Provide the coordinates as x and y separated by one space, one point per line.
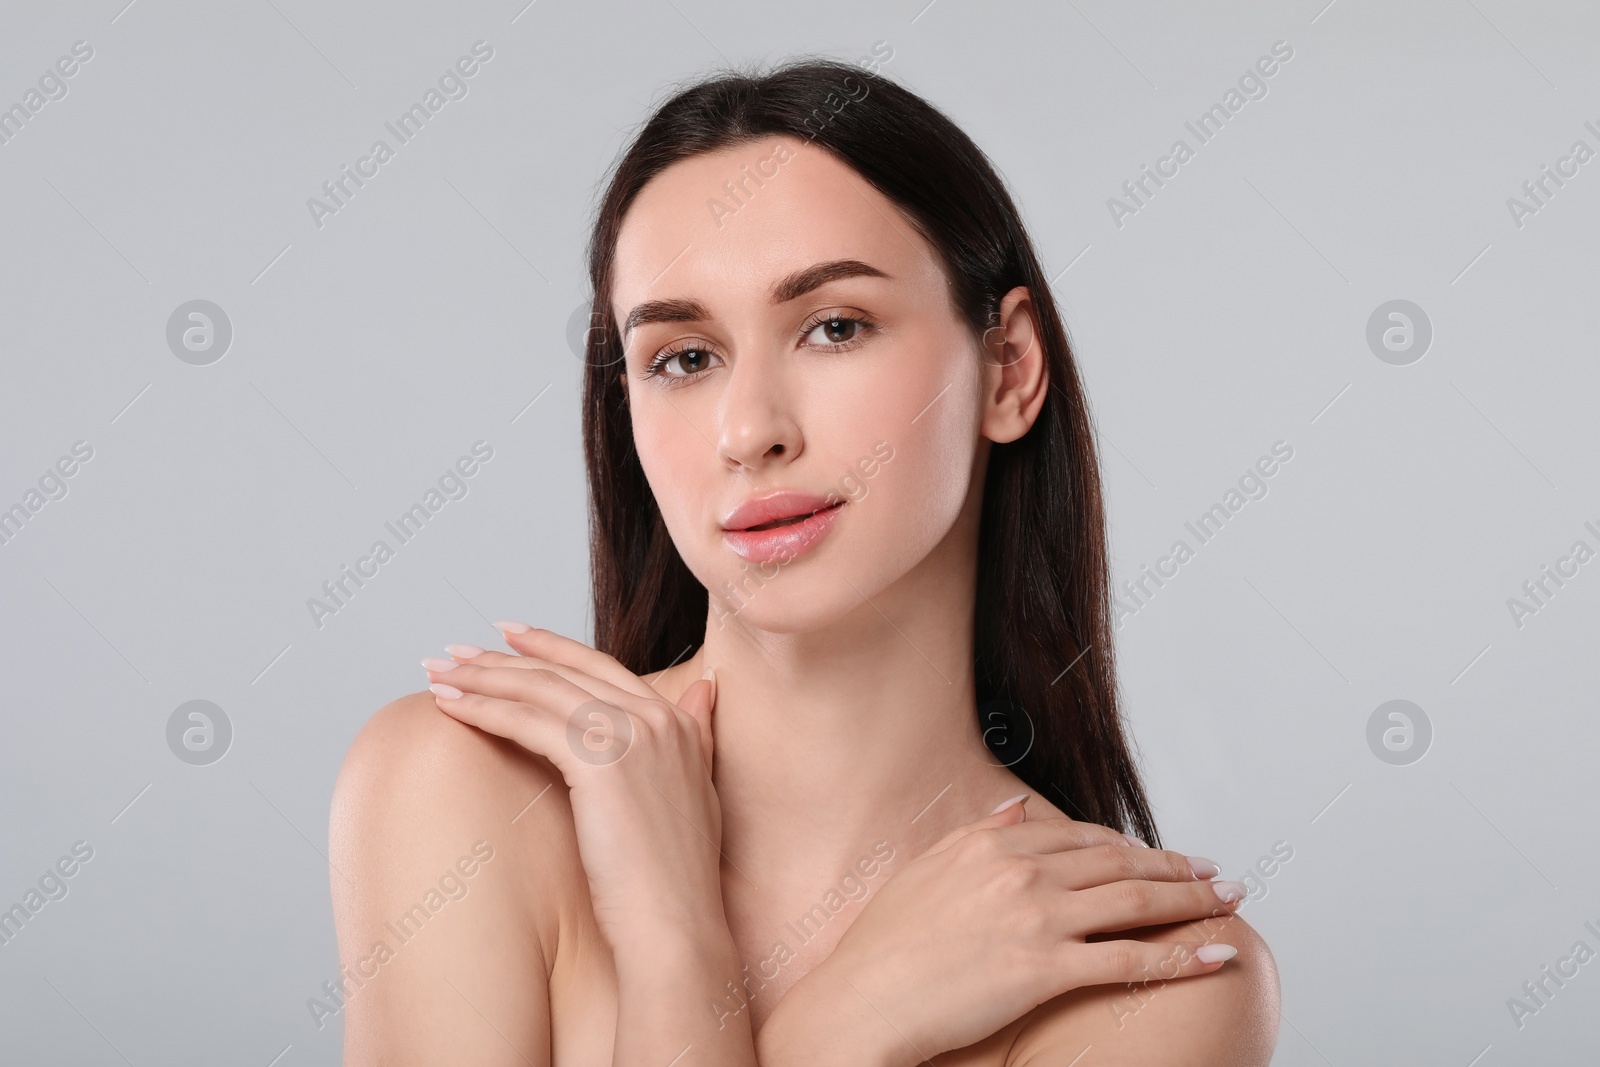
442 927
1227 1018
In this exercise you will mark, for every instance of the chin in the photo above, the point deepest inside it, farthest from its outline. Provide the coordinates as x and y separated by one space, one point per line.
788 602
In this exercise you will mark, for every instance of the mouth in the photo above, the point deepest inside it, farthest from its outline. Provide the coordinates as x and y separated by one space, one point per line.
785 538
792 519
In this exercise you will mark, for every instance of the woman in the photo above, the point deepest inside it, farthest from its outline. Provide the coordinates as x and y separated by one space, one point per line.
768 823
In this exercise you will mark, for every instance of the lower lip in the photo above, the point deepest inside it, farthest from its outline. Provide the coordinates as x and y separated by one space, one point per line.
782 542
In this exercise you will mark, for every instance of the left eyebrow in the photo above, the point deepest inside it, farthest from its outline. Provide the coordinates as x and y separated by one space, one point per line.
789 288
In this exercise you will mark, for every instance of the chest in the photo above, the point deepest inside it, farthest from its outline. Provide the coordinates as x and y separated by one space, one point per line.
779 937
779 943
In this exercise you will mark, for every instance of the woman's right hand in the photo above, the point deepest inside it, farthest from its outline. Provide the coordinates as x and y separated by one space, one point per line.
988 923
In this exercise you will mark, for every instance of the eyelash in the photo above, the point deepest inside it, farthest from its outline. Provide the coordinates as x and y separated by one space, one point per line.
654 368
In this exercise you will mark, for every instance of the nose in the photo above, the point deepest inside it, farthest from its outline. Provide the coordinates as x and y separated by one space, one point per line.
758 426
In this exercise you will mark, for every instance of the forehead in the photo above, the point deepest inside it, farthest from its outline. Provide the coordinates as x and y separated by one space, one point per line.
727 224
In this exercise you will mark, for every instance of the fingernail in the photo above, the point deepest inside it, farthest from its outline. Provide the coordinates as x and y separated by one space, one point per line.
1134 841
1203 868
709 675
1230 891
1215 953
512 627
449 692
433 663
464 651
1019 798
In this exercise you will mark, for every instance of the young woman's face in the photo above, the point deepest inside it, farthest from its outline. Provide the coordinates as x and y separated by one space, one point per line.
800 337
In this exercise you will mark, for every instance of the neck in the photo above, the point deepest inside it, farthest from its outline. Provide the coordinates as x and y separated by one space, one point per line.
833 739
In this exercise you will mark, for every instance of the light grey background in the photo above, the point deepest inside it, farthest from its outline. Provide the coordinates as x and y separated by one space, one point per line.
369 354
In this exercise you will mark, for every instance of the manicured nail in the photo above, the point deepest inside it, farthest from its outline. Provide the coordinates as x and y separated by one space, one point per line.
463 651
1230 891
1018 799
433 663
1215 953
1203 868
1134 841
512 627
708 674
449 692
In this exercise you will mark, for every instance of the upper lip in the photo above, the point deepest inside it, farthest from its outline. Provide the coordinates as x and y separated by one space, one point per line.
778 504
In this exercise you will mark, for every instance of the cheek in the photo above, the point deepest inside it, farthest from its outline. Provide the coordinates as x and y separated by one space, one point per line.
672 456
915 497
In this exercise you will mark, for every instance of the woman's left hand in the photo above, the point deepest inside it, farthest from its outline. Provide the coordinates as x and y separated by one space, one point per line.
638 768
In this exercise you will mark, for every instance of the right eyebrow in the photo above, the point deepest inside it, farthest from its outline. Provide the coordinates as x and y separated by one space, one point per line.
789 288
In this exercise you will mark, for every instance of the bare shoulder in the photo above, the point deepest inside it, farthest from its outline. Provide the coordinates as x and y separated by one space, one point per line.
414 777
453 857
1228 1018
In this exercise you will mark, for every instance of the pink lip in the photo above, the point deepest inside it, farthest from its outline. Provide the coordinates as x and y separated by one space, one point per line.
781 542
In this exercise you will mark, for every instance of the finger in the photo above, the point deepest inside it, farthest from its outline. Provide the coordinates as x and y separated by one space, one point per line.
544 726
1008 814
1102 864
487 658
699 701
1105 962
1059 835
527 684
548 645
1132 903
479 658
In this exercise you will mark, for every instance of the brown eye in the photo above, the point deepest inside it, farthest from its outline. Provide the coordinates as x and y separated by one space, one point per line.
837 330
691 360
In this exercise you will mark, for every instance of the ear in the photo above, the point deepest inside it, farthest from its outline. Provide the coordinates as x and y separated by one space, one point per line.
1015 376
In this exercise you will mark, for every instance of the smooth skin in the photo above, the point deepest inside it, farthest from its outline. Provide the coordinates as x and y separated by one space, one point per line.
624 897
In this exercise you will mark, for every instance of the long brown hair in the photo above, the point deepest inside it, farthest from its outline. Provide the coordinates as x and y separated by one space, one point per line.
1045 678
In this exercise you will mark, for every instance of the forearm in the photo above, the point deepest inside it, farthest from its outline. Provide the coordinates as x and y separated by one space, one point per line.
681 991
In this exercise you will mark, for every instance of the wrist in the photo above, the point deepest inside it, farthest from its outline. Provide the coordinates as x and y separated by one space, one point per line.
660 952
678 988
823 1021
